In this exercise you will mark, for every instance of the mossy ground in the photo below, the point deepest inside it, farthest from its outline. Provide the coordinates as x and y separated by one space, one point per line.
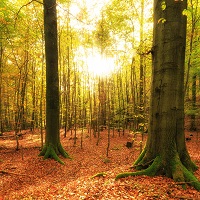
52 151
174 169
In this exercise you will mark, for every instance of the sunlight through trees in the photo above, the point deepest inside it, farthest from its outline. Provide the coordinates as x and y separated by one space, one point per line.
95 75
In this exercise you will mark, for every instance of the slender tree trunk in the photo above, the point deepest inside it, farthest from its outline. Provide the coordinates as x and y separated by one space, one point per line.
1 71
194 20
52 145
194 93
33 98
141 91
41 101
90 114
67 103
102 100
109 115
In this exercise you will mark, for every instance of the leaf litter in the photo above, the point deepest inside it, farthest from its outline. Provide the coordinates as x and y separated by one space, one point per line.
24 175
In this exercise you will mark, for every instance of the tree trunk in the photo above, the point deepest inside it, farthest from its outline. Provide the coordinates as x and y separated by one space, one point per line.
165 151
194 107
1 71
52 145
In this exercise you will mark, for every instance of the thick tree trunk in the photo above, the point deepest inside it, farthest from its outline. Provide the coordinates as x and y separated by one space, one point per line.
52 145
165 151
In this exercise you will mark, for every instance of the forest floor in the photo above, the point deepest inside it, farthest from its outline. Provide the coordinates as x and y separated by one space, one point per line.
24 175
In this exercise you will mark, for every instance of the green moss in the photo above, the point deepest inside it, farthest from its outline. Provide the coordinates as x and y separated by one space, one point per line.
191 166
63 152
187 162
141 156
150 171
190 178
181 174
44 149
176 169
177 174
99 174
50 151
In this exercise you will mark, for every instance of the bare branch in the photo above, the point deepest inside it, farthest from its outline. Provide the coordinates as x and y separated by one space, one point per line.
73 15
25 6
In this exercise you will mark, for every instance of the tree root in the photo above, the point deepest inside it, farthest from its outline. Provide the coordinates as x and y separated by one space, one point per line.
190 178
177 170
150 171
50 151
141 156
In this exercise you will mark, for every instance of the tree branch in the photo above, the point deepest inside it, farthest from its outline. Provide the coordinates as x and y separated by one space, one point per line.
12 173
25 6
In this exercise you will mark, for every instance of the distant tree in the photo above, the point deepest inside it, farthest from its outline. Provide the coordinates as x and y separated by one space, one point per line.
192 63
166 151
52 145
1 120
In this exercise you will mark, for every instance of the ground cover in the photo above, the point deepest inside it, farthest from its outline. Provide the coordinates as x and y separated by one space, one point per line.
24 175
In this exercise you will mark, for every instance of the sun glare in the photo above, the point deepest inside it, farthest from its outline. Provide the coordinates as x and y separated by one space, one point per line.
90 61
98 65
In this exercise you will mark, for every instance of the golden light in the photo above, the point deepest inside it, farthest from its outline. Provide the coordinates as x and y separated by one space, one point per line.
98 65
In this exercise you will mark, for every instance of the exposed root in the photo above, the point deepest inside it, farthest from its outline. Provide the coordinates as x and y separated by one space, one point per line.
50 151
190 178
191 166
137 163
183 174
141 165
63 152
150 171
178 172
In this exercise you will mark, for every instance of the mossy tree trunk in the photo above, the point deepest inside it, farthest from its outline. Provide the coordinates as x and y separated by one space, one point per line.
166 151
52 145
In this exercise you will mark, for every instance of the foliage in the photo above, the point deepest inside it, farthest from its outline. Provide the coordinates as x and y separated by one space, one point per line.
115 32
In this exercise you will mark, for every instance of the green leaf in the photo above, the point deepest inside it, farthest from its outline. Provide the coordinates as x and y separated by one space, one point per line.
163 5
162 20
186 12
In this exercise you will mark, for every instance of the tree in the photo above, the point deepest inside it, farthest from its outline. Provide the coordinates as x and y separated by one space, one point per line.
166 151
52 145
192 59
1 55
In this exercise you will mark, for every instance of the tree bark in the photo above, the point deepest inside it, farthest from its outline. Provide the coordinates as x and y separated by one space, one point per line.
1 72
194 99
166 151
52 145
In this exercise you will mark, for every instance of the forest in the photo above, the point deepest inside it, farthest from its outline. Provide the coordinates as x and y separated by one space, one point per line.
99 99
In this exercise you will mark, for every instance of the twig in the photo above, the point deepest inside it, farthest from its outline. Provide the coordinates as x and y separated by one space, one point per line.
182 183
29 4
25 6
6 172
73 15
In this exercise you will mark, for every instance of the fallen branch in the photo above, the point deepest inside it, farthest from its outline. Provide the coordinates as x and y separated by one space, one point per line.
12 173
